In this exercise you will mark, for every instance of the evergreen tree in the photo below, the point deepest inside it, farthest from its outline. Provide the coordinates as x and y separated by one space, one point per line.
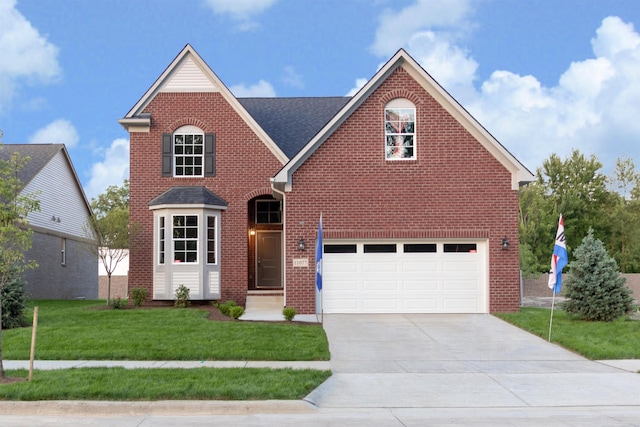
595 290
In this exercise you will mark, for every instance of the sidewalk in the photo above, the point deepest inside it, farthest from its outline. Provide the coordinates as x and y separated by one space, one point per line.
171 364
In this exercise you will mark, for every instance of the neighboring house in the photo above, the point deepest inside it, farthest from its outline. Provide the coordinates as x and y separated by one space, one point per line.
66 268
416 197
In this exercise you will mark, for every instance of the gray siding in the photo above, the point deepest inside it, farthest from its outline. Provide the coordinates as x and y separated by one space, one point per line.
60 198
78 278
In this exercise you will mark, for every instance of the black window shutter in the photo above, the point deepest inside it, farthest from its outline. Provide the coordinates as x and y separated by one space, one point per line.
209 154
167 157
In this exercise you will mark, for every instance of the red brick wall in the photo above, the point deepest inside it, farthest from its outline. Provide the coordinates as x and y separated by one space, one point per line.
454 188
243 168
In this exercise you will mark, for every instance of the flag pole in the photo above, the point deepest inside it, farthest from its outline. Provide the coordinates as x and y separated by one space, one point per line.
553 303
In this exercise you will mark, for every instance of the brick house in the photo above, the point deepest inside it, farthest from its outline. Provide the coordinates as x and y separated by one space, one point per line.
419 202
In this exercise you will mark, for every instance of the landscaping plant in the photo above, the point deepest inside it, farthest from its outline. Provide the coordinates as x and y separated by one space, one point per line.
14 302
182 297
595 289
289 313
138 295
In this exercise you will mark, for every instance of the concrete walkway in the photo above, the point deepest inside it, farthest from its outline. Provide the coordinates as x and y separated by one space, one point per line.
402 370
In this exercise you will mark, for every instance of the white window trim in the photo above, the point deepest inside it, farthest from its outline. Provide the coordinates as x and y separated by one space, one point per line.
186 130
404 103
163 239
197 240
215 239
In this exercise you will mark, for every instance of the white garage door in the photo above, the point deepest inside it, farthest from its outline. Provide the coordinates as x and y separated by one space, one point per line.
404 277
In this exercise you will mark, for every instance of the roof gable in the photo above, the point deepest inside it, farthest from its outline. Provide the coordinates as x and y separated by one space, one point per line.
189 73
519 172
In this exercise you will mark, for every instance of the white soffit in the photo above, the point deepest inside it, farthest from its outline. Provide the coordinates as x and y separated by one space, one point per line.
188 77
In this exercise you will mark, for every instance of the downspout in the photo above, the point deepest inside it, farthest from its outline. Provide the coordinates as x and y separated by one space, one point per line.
284 232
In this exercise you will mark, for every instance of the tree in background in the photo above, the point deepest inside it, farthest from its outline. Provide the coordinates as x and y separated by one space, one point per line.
109 229
594 288
576 187
15 235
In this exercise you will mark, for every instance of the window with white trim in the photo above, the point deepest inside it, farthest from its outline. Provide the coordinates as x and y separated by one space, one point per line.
185 238
400 130
211 239
188 153
63 251
161 240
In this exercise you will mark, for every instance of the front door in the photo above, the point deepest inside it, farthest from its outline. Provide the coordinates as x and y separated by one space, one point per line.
269 259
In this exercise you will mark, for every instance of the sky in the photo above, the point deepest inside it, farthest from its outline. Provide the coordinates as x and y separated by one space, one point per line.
542 76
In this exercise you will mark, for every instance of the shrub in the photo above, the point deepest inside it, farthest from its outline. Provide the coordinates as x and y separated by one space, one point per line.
595 290
118 303
138 295
289 313
182 297
14 302
226 307
236 311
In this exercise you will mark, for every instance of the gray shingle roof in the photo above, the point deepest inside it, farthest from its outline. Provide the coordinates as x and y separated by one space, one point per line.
292 122
188 196
40 154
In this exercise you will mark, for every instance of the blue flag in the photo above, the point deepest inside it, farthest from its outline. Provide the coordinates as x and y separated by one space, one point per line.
559 259
319 256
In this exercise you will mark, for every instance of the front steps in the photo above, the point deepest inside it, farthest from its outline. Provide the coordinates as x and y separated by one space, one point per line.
267 306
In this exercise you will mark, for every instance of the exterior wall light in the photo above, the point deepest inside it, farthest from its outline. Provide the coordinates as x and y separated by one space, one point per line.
301 244
505 244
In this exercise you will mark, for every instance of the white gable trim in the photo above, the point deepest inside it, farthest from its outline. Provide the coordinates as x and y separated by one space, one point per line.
519 172
189 73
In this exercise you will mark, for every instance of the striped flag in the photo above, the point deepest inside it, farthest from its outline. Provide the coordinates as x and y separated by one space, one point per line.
319 256
559 259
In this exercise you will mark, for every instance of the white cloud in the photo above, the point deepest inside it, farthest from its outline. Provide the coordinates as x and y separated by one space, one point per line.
57 132
293 78
358 85
397 27
262 89
593 108
113 170
241 11
27 56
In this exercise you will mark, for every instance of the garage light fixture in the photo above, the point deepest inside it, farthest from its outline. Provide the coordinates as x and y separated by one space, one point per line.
301 244
505 244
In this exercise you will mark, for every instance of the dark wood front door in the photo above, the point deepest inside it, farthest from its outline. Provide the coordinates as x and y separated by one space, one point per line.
269 260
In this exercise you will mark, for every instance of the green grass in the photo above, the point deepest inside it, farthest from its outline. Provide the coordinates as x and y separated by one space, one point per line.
164 384
619 339
76 330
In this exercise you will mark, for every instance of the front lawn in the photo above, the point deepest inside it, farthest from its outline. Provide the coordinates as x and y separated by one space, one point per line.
619 339
82 330
164 384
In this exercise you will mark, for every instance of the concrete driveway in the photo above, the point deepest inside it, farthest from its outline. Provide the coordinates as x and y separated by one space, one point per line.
460 361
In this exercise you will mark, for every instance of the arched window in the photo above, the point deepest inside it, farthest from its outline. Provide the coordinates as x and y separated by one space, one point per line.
400 129
188 152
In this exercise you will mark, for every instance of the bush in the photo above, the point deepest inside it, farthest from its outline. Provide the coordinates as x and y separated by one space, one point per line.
595 290
236 311
289 313
138 295
182 297
226 307
118 303
14 303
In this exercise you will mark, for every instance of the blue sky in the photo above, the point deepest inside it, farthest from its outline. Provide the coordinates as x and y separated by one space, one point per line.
543 76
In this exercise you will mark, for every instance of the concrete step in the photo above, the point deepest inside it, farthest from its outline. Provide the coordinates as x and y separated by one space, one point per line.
265 303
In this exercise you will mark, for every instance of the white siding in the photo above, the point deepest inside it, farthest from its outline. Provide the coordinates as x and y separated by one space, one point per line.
188 77
59 197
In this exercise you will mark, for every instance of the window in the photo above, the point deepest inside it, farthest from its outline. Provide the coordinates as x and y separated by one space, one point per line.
340 249
63 251
161 241
380 249
185 238
188 152
399 124
419 248
211 239
460 247
268 212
